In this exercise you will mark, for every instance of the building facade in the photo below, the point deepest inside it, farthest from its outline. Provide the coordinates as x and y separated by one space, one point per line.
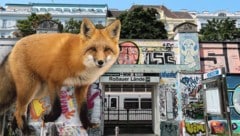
201 18
62 12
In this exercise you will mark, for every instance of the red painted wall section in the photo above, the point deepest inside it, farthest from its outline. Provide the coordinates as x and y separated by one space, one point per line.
217 55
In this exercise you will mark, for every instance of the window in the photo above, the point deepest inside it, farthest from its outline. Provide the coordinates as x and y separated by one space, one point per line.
43 10
66 10
149 88
107 88
116 88
105 102
50 9
203 25
99 10
131 103
158 16
4 23
76 10
238 24
139 88
127 88
113 103
222 15
100 22
34 10
146 103
59 9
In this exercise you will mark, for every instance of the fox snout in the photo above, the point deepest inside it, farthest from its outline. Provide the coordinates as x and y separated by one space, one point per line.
100 63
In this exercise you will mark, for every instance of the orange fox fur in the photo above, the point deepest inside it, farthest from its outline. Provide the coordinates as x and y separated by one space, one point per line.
44 62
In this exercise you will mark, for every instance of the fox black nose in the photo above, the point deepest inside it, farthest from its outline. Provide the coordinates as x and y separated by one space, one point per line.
100 62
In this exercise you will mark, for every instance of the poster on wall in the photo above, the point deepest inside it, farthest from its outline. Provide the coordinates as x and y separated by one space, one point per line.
213 104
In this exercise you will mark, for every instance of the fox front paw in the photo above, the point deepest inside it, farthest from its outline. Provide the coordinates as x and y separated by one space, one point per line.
51 117
26 130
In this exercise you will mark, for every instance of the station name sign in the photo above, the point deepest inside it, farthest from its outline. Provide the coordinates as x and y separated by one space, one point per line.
130 77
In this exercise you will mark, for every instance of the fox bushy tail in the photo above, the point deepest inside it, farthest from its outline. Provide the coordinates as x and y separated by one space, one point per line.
7 87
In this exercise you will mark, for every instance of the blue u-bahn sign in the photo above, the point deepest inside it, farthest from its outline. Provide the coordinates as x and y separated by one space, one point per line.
214 73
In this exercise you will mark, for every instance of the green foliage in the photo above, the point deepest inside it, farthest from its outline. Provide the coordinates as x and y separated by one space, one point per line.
220 30
72 26
29 26
142 24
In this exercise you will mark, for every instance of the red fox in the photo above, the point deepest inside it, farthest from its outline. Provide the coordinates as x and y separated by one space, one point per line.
44 62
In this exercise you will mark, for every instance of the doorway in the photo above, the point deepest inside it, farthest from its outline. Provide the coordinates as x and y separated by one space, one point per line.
129 107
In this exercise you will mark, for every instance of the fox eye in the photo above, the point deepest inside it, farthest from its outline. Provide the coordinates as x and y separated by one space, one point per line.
92 49
108 49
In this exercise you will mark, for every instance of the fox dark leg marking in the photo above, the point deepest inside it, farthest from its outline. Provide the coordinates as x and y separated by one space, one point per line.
55 112
81 97
83 115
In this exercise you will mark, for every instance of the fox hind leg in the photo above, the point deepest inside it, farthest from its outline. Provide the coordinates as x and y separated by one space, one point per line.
56 110
26 90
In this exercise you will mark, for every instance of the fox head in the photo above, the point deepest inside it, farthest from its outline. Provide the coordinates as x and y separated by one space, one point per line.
100 45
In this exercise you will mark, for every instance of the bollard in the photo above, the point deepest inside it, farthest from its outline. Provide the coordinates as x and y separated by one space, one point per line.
116 131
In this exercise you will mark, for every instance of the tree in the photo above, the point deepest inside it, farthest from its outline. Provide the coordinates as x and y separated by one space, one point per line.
142 24
72 26
219 30
30 25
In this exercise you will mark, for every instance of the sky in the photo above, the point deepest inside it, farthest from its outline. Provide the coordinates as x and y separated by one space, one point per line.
174 5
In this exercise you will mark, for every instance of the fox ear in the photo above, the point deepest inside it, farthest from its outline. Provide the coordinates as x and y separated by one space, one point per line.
87 28
114 29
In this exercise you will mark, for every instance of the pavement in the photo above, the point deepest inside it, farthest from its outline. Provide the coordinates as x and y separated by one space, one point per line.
133 135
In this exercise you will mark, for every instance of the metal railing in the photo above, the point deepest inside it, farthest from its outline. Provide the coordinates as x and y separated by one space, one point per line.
128 114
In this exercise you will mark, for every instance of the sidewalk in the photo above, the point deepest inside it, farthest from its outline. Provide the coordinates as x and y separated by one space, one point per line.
133 135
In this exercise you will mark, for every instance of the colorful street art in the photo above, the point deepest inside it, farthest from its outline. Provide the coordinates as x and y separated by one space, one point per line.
191 96
217 55
189 50
218 127
193 128
141 52
129 53
233 86
168 99
169 128
68 123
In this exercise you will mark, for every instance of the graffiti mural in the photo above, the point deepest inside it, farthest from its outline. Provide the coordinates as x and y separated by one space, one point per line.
68 123
191 96
94 102
189 51
218 127
168 99
217 55
169 128
193 128
140 52
236 126
129 53
233 86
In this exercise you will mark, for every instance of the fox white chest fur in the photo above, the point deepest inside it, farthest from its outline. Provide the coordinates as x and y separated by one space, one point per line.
91 73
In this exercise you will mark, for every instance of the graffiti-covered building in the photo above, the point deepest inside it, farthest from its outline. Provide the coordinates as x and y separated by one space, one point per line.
154 82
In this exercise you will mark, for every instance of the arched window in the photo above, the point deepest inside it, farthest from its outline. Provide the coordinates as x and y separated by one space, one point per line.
222 15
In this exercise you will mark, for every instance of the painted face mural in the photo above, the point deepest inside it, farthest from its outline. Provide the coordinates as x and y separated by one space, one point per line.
236 99
129 53
189 51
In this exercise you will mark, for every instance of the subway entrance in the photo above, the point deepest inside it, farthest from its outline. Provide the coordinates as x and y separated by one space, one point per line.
128 107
